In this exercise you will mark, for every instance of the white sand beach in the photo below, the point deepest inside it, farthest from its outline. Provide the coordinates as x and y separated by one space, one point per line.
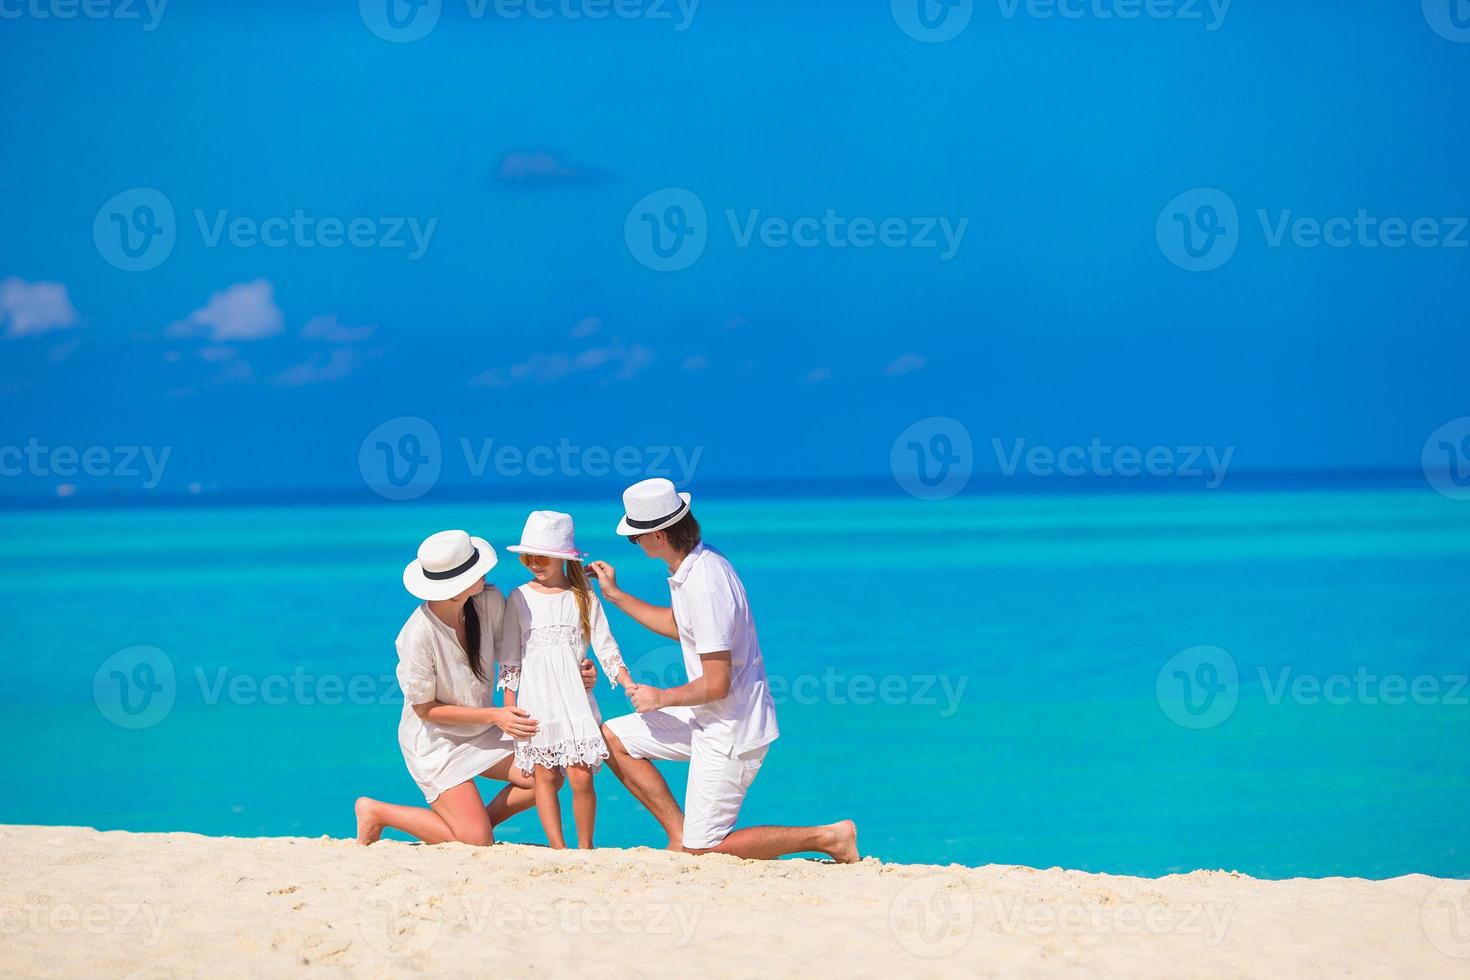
75 902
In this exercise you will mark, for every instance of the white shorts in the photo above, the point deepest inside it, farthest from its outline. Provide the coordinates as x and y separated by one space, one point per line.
718 778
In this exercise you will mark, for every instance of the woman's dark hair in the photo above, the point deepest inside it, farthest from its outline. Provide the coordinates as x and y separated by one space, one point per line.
472 638
683 534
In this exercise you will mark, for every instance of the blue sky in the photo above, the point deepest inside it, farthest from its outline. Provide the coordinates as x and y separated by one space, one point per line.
526 311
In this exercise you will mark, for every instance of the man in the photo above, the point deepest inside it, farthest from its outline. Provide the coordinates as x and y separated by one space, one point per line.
723 721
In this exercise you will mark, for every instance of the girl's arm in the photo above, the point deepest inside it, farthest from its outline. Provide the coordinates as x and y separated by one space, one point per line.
606 648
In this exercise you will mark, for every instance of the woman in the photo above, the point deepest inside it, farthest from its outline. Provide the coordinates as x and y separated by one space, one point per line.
449 731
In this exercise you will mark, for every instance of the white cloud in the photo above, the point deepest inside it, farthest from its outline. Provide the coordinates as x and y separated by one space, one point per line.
818 375
244 311
697 362
905 364
34 307
328 328
548 368
586 327
321 369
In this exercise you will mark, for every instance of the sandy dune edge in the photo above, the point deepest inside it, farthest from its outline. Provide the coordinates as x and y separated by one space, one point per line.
78 902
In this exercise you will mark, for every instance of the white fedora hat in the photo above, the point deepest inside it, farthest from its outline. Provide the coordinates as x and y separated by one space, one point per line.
448 563
652 505
550 533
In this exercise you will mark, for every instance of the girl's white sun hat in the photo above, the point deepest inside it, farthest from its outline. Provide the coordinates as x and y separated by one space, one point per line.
651 505
550 533
448 563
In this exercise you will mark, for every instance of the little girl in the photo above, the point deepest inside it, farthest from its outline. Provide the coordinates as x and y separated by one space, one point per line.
548 623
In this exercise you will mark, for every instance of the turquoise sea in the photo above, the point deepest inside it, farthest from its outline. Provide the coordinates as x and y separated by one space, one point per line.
1272 682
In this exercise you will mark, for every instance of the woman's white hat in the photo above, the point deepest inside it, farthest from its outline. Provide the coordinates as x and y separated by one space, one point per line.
448 563
652 505
550 533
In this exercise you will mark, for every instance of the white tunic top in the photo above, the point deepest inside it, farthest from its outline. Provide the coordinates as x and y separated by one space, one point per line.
541 650
712 614
432 666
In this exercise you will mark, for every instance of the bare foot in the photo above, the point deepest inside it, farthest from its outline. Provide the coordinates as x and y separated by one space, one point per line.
369 827
844 849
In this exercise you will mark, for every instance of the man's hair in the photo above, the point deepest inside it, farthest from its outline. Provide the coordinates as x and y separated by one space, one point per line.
683 534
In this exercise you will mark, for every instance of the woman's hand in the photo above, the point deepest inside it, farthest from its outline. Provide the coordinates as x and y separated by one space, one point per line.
515 722
607 580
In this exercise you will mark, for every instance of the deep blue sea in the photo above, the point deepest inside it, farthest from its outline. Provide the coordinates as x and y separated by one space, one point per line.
1271 682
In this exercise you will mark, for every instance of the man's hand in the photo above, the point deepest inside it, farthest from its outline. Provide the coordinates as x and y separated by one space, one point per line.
646 698
515 722
607 579
589 674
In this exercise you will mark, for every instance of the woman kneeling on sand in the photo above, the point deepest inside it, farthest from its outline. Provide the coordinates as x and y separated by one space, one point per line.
449 731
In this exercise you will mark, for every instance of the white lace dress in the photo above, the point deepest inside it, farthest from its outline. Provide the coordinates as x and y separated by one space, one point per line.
540 652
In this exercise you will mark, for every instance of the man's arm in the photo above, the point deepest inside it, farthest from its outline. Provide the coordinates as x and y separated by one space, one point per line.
659 619
713 684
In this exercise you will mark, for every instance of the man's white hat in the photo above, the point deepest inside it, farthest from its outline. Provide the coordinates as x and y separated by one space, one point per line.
448 563
551 533
652 505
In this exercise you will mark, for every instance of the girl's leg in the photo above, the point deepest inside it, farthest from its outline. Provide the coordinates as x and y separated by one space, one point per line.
548 808
584 803
457 815
518 797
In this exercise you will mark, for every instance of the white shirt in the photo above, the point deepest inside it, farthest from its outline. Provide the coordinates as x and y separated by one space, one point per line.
712 614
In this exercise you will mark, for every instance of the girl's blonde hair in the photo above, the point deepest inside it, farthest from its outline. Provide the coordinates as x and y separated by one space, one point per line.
577 579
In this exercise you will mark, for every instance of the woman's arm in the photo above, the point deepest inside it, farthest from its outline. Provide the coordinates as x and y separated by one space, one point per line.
659 619
512 720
